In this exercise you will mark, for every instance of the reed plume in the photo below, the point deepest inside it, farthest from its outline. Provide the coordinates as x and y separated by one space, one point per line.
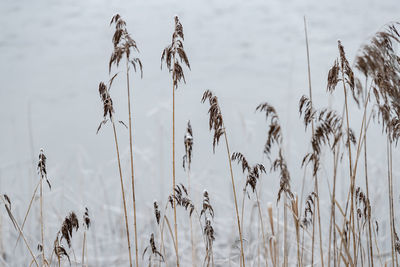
68 226
207 211
153 251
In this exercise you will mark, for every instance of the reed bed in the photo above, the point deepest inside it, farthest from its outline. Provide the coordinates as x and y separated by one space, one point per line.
289 229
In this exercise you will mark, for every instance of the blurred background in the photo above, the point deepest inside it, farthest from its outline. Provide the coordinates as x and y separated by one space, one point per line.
53 54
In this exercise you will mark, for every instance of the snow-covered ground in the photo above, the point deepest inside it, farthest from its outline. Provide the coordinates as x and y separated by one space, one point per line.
53 54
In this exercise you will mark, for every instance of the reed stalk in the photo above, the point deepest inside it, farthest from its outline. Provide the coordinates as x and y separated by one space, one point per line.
316 187
123 192
131 161
234 197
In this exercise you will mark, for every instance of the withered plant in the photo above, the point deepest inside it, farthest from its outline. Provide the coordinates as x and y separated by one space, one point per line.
274 136
86 226
253 174
216 124
125 46
153 251
316 187
341 71
173 56
42 171
108 114
68 226
379 62
187 162
326 130
207 212
7 205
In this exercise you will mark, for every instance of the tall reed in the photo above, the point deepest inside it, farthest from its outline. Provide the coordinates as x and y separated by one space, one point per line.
125 45
171 55
217 125
187 162
108 114
278 164
312 127
43 175
86 225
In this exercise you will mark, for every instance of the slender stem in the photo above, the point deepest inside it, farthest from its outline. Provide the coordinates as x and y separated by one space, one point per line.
173 160
172 237
377 247
27 212
83 248
191 225
312 125
391 201
242 218
285 243
352 179
123 193
389 151
131 157
15 223
371 251
277 244
302 249
41 220
295 213
262 229
336 155
313 237
272 241
234 196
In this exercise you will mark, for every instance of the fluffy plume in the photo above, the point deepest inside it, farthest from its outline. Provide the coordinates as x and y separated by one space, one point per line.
152 249
188 142
174 54
253 172
42 167
124 45
216 123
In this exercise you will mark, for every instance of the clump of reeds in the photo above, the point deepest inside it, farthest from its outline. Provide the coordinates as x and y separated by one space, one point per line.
378 62
125 46
173 55
216 124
